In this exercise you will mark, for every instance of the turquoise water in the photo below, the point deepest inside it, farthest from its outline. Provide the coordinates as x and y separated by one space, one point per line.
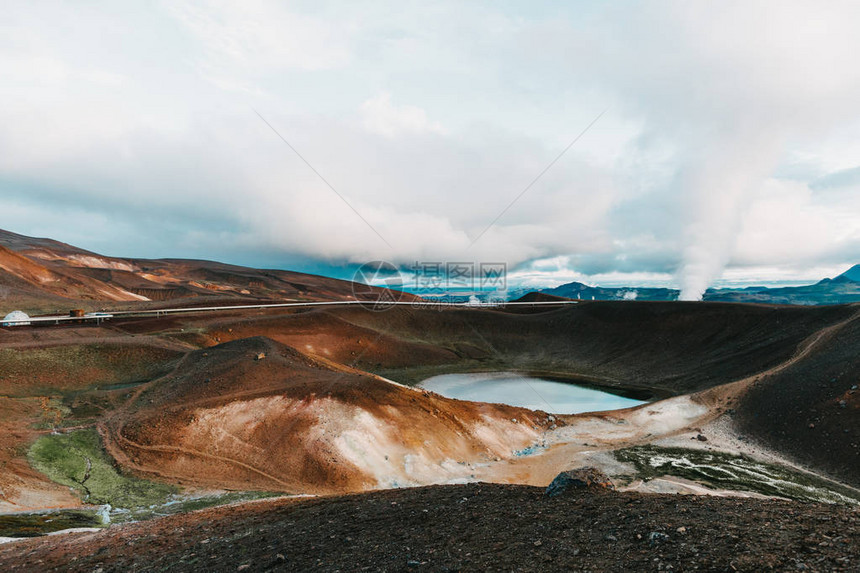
526 392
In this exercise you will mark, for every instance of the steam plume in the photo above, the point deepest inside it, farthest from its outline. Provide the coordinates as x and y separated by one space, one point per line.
717 187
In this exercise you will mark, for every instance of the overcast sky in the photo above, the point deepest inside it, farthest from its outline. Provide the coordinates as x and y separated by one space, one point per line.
729 149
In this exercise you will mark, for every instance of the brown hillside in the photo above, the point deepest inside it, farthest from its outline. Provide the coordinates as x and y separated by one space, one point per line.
256 414
43 271
667 348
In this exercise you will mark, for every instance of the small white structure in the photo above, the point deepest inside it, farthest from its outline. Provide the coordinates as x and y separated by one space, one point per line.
16 318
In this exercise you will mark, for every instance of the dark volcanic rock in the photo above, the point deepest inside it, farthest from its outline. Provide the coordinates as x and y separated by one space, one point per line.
797 410
502 528
577 479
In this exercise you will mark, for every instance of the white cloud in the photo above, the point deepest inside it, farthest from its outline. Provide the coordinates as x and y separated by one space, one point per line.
791 225
256 38
381 116
141 116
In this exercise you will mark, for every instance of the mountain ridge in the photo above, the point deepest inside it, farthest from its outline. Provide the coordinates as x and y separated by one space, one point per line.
41 275
842 289
852 274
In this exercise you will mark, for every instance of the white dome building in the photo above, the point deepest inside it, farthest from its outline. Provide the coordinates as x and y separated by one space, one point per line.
19 318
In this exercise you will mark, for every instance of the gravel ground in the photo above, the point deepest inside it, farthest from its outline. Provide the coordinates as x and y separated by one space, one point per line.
477 527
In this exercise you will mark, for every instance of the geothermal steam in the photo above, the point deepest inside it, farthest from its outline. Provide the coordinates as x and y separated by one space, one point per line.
729 86
717 187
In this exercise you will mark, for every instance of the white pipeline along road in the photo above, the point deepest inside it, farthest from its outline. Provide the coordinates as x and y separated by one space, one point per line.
98 317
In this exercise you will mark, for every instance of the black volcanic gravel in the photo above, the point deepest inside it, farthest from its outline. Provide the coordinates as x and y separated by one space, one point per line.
478 527
811 410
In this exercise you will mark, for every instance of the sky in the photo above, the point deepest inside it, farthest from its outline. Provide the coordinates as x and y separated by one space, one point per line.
319 135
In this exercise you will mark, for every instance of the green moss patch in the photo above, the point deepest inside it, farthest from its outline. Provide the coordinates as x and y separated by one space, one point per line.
78 460
35 524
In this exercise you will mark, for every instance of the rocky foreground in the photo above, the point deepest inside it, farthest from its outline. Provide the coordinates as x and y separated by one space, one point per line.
478 527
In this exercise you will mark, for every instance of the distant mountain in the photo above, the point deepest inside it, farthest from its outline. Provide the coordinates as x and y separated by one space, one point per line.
584 292
828 291
852 274
540 297
845 288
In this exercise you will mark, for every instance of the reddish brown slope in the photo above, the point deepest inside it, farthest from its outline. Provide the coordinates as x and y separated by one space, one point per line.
286 422
26 270
44 269
48 278
43 387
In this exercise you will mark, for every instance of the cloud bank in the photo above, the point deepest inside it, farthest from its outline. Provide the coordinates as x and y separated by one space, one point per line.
730 145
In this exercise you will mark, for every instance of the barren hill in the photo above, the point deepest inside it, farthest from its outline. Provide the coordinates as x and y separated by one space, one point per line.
640 349
44 273
256 414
